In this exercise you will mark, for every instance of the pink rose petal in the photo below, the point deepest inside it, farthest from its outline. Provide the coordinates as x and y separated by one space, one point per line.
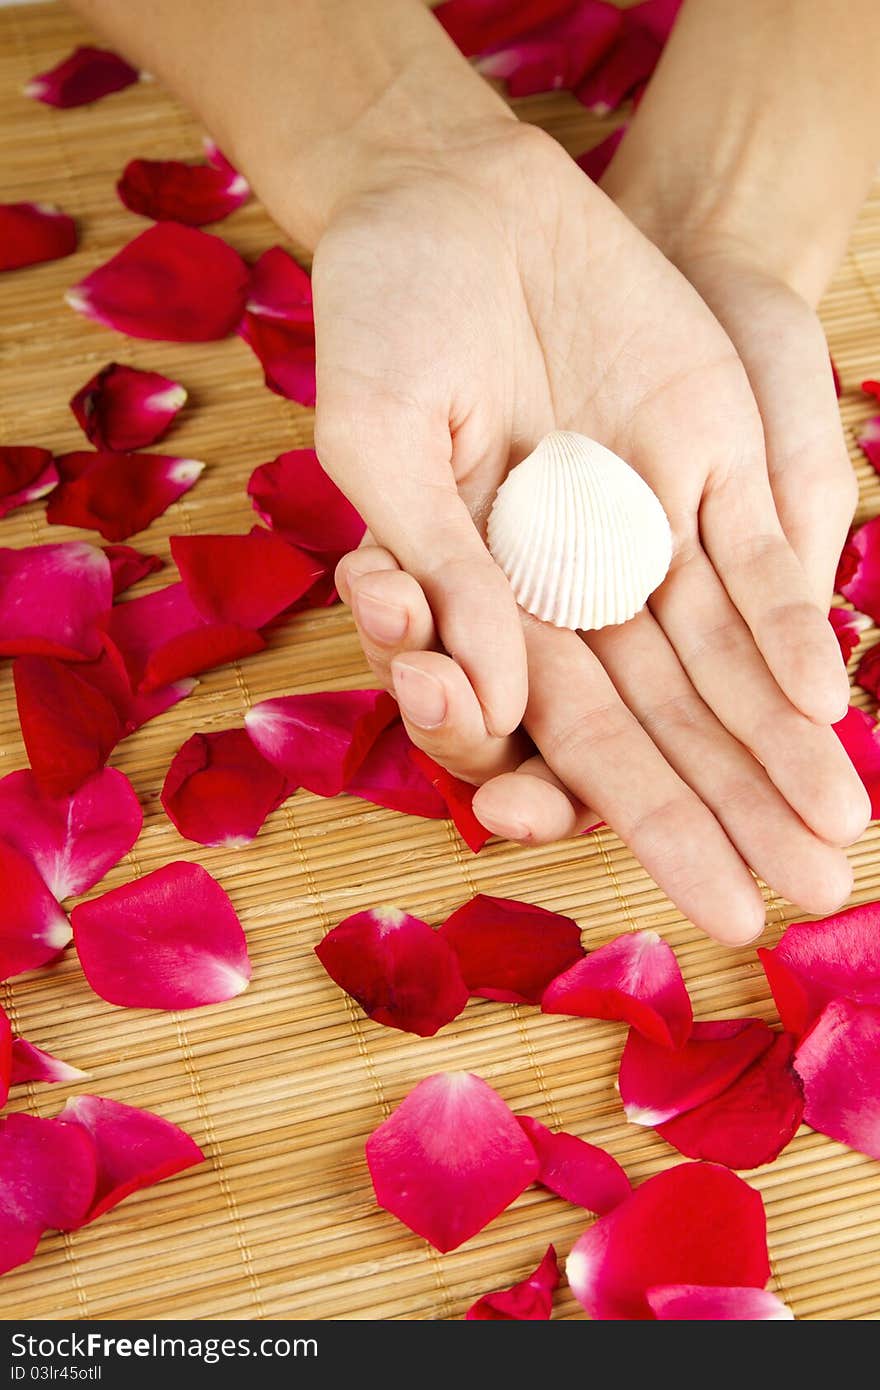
52 600
33 928
449 1159
529 1301
595 160
510 950
459 798
129 566
26 474
171 282
170 940
31 233
860 736
163 638
400 971
388 777
557 53
74 840
699 1303
848 628
295 497
109 675
580 1172
869 441
245 581
320 741
47 1180
118 494
170 191
868 670
134 1148
477 26
31 1063
656 1085
635 979
68 727
219 789
816 962
85 75
123 408
858 571
631 59
693 1224
839 1064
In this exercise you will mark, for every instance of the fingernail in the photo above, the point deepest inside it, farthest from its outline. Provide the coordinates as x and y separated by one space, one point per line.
384 622
421 697
505 826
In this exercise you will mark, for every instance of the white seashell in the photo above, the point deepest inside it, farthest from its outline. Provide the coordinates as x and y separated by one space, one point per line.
579 534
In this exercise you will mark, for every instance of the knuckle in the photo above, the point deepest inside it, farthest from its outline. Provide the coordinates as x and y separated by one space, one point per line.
680 712
575 741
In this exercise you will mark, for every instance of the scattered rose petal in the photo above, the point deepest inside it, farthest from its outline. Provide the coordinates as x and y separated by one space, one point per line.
109 675
529 1301
134 1148
449 1159
400 971
31 1063
26 474
656 1085
118 494
279 325
835 377
52 599
848 627
170 191
510 950
295 497
632 58
557 53
85 75
701 1303
871 388
869 441
171 282
219 789
860 736
170 940
580 1172
858 571
389 777
123 408
162 638
476 26
47 1180
459 798
693 1224
33 928
6 1078
279 287
68 727
245 581
595 161
839 1063
868 671
635 979
129 566
31 233
320 741
752 1121
74 840
816 962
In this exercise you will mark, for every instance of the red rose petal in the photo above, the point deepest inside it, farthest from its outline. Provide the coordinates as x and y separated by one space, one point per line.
449 1159
860 736
699 1303
595 161
816 962
400 971
69 729
752 1121
580 1172
170 940
529 1301
635 979
510 950
868 670
320 741
31 1063
109 675
129 566
871 388
557 53
459 798
279 288
33 928
170 191
26 474
123 408
693 1224
477 26
656 1085
219 789
279 325
47 1180
134 1148
839 1063
869 441
171 282
632 57
243 580
388 777
31 233
6 1077
858 572
848 628
74 840
835 377
295 497
162 637
118 494
52 598
86 75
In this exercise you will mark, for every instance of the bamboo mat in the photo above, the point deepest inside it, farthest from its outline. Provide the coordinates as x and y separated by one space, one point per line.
283 1085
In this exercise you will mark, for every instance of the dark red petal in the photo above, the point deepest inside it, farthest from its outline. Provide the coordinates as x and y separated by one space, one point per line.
219 789
286 352
26 474
869 441
171 282
816 962
632 58
860 736
31 233
595 161
752 1121
243 580
73 840
279 288
170 191
388 777
848 628
31 1063
170 940
580 1172
656 1085
69 729
858 573
6 1076
699 1303
52 599
510 950
868 670
109 675
47 1180
459 798
529 1301
839 1063
295 497
33 928
129 566
118 494
123 408
401 972
871 388
320 741
835 377
635 979
162 637
693 1224
557 53
477 26
85 75
134 1148
449 1159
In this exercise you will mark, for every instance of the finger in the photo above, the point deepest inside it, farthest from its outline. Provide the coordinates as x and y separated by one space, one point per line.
531 805
365 560
392 617
594 744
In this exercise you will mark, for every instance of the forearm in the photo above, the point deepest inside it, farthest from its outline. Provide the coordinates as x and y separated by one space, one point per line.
759 130
308 97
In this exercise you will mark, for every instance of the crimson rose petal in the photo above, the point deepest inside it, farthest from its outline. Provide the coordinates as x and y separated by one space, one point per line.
510 950
529 1301
33 928
26 474
295 497
69 728
595 161
635 979
858 572
123 408
47 1180
869 441
279 325
31 233
219 789
118 494
656 1085
31 1063
477 26
52 599
848 628
860 736
388 777
839 1063
167 190
243 580
162 638
816 962
459 798
320 741
558 52
632 57
128 566
85 75
580 1172
6 1077
701 1303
